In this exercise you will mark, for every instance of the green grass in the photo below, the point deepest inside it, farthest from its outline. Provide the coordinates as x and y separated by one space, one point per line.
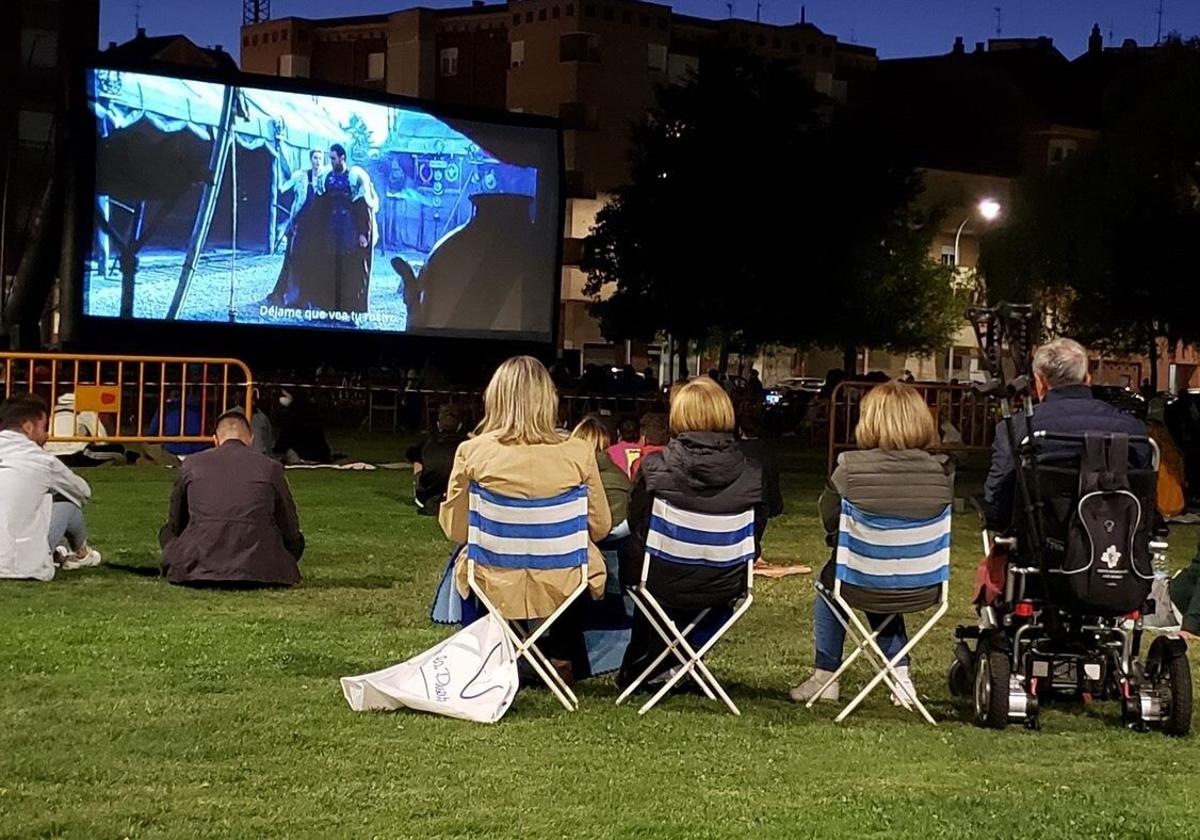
130 708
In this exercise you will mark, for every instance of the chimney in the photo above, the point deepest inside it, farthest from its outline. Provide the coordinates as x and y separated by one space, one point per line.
141 32
1095 40
959 49
979 46
803 15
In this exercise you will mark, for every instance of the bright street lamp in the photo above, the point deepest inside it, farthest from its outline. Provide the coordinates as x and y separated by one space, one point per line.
988 210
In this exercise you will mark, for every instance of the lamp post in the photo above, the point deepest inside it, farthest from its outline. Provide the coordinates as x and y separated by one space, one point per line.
988 209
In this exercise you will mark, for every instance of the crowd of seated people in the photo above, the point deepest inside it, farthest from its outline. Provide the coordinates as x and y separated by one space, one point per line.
232 518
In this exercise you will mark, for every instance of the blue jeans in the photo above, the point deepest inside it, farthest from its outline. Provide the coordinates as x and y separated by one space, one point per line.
829 635
66 524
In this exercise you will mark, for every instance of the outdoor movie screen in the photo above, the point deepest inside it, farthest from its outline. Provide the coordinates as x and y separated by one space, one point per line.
261 206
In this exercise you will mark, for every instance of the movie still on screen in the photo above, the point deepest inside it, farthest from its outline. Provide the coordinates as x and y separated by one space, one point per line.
256 206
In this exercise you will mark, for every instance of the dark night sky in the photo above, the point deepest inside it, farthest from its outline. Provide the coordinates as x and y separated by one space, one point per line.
893 27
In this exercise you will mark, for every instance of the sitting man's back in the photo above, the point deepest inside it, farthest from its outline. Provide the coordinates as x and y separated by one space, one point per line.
232 518
1063 386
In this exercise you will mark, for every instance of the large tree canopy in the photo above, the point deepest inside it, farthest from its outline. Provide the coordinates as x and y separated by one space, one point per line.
758 211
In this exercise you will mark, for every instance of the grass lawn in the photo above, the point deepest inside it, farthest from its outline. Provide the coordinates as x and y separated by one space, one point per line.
130 708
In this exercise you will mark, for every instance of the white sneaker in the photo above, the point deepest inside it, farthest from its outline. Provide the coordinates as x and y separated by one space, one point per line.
905 682
809 688
70 562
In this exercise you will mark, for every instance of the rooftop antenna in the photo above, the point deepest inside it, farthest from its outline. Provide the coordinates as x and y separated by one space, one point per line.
1158 32
997 10
137 15
729 6
255 11
758 12
1110 32
803 15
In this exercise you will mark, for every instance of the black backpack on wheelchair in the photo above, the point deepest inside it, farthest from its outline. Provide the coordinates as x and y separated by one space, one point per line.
1094 515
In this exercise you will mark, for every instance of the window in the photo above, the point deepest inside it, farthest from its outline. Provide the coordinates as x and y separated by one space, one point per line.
254 40
529 17
517 19
554 13
283 36
275 37
579 46
375 67
947 255
656 57
1060 149
541 14
450 61
516 54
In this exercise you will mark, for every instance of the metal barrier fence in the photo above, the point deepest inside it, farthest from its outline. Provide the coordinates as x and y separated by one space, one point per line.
130 399
956 408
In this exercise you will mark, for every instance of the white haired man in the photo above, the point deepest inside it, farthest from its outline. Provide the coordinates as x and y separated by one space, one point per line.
1062 384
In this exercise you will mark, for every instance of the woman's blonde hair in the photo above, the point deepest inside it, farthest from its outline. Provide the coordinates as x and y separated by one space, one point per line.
592 430
895 416
520 403
701 405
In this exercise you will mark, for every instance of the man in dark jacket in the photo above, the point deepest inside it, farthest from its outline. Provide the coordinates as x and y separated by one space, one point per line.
232 519
432 459
1063 387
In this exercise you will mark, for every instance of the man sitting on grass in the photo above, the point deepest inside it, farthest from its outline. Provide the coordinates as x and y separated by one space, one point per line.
41 500
232 519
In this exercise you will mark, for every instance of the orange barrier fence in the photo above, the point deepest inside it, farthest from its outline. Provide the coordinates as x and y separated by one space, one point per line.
130 399
965 418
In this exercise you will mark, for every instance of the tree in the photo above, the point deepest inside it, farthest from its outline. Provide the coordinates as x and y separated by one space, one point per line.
758 212
1105 242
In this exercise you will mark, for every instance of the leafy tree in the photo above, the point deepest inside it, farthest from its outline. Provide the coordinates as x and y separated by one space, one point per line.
757 212
1105 242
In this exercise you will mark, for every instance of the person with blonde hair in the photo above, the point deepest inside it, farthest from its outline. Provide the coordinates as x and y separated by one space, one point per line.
704 470
616 483
892 473
516 452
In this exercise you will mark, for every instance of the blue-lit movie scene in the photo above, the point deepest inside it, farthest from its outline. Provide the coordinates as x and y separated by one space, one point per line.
244 205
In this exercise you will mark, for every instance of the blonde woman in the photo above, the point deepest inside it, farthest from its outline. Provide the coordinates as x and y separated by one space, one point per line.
702 469
892 473
616 483
516 452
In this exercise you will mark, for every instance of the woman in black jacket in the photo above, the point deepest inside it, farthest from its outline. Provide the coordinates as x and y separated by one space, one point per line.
702 470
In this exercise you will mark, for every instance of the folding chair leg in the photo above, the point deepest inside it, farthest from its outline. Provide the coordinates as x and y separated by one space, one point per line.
861 646
695 656
670 647
890 665
530 650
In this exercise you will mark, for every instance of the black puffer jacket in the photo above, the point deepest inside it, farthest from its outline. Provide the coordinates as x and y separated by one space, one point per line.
704 472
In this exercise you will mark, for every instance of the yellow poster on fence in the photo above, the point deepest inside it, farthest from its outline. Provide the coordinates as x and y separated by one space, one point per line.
99 398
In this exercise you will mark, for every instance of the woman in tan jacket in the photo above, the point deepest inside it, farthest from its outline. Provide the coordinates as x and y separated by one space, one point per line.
516 452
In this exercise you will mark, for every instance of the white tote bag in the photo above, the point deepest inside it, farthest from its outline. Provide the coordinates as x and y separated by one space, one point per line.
472 676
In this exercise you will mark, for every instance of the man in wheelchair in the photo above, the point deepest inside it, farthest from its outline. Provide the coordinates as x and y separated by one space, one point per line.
1070 495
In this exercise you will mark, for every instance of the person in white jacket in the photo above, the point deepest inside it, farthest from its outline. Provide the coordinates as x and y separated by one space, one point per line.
41 500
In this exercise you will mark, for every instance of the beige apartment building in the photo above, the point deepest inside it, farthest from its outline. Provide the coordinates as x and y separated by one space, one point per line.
594 64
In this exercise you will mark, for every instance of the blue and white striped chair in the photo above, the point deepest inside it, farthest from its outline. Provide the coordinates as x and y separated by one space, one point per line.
681 537
534 535
880 554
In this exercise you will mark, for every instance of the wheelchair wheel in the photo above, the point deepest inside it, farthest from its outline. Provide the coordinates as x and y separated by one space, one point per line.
1178 674
958 677
992 671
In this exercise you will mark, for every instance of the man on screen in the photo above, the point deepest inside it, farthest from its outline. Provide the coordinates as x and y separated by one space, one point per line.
301 185
353 204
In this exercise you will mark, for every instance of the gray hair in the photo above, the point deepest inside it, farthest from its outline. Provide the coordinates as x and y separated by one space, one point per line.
1062 361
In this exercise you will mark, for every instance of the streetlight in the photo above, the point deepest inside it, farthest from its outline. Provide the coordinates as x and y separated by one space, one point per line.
988 209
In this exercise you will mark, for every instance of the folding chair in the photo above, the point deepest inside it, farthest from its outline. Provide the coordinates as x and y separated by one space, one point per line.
534 535
878 555
683 538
